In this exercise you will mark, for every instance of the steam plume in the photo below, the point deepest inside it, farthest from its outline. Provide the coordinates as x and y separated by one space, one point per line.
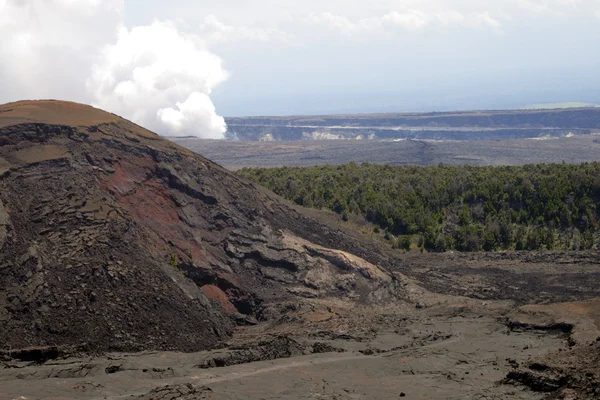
80 50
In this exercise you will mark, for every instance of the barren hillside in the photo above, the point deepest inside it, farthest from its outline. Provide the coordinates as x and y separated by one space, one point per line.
115 239
132 268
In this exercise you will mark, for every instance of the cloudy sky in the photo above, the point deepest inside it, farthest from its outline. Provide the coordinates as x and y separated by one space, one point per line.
178 66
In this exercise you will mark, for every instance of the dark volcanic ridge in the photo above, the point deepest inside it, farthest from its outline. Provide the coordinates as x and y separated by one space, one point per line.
114 239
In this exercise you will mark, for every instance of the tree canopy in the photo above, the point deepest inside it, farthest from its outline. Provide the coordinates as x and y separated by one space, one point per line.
465 208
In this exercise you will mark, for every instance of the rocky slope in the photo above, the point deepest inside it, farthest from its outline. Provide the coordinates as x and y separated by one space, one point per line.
112 238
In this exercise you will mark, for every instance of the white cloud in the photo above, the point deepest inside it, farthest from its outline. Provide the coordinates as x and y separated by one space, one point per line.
485 20
152 69
554 7
335 22
450 17
409 19
47 46
79 50
196 112
214 30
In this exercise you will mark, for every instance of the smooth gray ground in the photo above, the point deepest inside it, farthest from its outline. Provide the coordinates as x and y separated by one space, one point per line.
239 154
461 357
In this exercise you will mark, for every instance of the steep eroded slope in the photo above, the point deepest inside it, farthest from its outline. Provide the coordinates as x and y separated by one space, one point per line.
112 238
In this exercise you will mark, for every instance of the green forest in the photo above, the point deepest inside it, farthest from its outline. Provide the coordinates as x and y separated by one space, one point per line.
464 208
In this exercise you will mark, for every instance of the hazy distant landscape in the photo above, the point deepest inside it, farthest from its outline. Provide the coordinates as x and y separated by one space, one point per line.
467 125
240 154
512 137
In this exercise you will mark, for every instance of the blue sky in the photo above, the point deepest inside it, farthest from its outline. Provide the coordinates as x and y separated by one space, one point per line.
288 57
178 67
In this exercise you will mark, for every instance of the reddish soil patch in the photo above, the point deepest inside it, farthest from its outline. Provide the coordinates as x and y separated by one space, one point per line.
151 204
127 176
216 294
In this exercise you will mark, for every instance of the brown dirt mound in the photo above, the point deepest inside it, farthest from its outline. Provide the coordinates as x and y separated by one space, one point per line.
53 112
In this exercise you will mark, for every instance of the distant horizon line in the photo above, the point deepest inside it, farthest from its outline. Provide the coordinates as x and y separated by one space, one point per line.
532 107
